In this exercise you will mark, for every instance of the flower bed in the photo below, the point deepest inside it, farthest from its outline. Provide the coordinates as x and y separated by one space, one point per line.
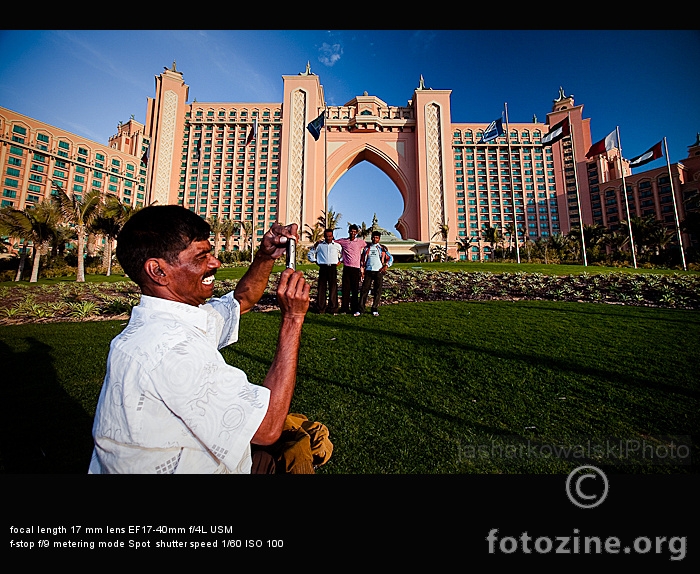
98 301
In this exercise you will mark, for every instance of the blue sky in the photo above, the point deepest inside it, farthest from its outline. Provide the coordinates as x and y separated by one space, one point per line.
644 81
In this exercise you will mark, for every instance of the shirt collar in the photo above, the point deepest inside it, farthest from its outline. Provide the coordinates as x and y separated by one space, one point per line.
195 316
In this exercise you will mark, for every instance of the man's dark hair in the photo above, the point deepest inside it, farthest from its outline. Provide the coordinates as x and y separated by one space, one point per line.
157 231
353 226
376 234
327 231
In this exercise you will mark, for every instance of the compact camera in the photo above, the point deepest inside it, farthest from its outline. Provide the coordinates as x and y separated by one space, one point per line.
291 253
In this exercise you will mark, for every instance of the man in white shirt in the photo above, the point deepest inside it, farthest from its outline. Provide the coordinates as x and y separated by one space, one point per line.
169 402
327 254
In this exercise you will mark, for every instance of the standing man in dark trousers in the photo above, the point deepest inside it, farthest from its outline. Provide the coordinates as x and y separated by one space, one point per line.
327 254
374 262
352 249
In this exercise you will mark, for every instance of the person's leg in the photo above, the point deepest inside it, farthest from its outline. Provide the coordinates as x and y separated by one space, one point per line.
263 461
364 291
345 297
333 290
322 284
377 291
355 289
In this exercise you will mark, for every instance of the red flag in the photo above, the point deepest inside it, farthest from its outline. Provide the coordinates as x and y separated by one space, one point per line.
253 132
650 155
606 144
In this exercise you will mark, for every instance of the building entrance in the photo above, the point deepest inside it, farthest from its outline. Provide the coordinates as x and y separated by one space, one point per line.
410 144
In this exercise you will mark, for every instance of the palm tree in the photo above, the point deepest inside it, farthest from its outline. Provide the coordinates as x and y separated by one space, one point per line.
645 231
491 235
443 230
228 228
215 225
528 244
315 233
463 244
36 224
659 237
248 229
616 241
542 245
364 231
331 219
112 216
558 243
79 213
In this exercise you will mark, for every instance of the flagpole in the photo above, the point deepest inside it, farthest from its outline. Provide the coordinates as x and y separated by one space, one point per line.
512 185
578 196
325 163
675 208
624 194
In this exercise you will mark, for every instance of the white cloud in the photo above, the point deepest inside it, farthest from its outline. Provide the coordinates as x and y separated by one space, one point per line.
330 54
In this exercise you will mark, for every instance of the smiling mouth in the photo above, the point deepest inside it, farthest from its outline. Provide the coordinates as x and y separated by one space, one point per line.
208 280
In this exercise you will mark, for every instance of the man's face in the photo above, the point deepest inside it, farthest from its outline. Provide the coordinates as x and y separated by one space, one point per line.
328 236
192 277
352 233
376 238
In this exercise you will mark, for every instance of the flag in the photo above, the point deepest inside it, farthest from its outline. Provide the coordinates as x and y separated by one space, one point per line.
604 145
650 155
558 131
253 132
146 155
315 126
494 130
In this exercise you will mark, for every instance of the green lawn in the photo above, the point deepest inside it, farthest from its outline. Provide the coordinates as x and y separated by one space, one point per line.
432 387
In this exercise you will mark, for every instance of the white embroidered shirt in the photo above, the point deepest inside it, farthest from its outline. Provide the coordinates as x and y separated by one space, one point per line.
169 402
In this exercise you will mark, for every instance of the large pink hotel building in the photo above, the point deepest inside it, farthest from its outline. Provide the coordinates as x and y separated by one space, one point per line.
200 155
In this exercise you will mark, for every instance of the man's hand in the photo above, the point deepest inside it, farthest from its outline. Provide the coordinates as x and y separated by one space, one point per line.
254 282
293 294
274 242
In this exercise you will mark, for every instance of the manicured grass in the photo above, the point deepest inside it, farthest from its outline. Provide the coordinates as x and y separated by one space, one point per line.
432 387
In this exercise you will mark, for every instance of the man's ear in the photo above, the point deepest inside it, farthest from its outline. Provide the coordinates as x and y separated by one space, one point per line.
156 270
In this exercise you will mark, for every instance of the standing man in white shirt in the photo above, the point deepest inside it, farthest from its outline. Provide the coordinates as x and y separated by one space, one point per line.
170 403
327 255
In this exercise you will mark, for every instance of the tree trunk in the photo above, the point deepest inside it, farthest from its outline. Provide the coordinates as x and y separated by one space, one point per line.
35 267
107 260
22 261
80 276
91 246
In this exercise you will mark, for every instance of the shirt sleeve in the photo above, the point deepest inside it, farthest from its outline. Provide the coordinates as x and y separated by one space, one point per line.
223 320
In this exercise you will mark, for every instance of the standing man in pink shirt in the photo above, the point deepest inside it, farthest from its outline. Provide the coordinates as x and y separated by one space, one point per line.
352 249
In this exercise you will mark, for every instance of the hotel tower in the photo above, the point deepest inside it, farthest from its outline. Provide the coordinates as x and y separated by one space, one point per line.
259 163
